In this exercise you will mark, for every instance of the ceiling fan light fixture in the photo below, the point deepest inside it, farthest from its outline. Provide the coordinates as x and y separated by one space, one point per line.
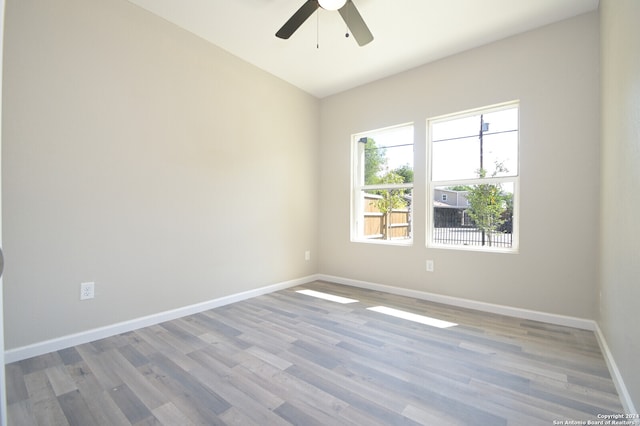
347 10
331 4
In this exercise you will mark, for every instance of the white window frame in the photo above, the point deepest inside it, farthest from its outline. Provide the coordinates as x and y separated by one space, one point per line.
358 187
432 185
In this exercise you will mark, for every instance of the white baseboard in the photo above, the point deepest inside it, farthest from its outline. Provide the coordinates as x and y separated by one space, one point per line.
623 393
63 342
581 323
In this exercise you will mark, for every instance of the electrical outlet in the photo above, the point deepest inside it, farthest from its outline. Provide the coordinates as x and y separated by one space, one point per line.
429 265
87 291
307 255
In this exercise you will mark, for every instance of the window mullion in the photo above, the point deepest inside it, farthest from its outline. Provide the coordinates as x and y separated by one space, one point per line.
383 186
479 181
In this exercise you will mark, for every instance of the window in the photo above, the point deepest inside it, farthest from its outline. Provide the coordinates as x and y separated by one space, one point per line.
444 197
382 179
474 159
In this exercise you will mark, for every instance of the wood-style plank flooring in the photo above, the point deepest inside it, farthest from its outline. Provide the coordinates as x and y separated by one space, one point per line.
289 358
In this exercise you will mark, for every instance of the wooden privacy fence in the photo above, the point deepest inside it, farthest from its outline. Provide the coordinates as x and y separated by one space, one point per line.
381 226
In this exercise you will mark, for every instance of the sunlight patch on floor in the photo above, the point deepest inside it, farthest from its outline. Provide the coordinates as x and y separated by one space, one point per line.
327 296
413 317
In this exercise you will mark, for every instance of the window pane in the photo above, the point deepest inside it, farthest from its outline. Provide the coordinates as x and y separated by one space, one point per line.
388 151
463 146
383 158
475 215
387 214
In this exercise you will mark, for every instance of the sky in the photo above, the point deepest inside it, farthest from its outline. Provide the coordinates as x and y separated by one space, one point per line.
456 147
394 138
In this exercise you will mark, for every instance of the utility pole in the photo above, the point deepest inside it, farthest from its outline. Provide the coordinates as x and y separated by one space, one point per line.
484 127
481 147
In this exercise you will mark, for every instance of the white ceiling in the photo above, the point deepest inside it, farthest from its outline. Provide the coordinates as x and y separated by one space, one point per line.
407 33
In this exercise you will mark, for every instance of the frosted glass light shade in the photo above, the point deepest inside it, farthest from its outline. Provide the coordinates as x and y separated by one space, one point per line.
331 4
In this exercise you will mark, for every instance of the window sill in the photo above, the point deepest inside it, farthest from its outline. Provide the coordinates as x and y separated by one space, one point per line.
480 249
396 243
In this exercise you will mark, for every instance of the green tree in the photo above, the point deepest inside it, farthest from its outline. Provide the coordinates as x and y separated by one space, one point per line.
407 177
460 188
391 199
487 204
406 172
375 159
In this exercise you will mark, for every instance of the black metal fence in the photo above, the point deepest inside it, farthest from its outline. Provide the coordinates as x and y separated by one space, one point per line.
453 226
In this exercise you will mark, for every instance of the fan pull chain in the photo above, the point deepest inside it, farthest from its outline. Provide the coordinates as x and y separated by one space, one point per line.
318 29
346 34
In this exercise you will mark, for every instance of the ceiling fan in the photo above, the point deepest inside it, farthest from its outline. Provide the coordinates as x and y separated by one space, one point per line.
347 10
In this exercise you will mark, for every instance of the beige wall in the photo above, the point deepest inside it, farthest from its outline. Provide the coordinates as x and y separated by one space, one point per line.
620 222
138 156
553 71
169 172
